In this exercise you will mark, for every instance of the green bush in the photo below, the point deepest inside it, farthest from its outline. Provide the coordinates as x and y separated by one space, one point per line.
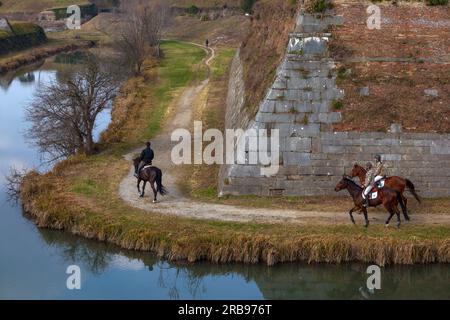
437 2
247 5
193 10
24 35
319 6
89 9
337 105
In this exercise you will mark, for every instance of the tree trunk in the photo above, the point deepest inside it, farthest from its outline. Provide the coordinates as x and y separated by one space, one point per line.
89 144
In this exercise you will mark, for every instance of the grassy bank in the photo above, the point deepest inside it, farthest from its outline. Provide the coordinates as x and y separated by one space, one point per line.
53 46
80 195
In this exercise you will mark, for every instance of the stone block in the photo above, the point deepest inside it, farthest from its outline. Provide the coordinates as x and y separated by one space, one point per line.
296 158
440 147
431 93
364 91
299 144
333 149
310 130
284 106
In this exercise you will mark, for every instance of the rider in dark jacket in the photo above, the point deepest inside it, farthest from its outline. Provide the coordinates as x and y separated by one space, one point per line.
146 158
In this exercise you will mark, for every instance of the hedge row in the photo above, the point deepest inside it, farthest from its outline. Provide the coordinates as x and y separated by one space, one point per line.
89 9
24 35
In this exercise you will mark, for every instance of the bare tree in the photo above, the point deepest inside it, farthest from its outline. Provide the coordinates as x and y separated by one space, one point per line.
63 113
140 31
13 182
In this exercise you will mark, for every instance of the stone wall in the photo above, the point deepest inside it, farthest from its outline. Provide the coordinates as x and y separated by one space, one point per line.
313 157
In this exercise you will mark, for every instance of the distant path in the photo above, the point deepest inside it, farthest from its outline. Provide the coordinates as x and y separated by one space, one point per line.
175 203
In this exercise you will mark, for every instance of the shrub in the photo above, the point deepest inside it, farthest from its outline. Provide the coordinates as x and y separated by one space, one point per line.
247 5
320 6
24 35
437 2
193 10
89 9
338 105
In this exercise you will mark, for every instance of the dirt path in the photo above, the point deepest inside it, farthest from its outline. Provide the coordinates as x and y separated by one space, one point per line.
176 204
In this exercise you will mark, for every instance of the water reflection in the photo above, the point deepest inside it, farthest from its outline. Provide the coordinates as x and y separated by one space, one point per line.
286 281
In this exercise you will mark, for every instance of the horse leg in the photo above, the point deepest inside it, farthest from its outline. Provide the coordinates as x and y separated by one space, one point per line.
397 212
391 214
154 192
139 185
365 217
405 213
351 214
143 189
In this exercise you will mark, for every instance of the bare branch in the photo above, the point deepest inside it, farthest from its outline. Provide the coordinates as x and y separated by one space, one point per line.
13 182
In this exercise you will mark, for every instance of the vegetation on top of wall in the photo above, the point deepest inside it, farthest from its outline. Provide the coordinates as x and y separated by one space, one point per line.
193 9
247 5
88 9
437 2
319 6
23 35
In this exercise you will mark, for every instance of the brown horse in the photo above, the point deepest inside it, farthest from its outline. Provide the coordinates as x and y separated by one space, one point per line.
152 175
397 183
387 197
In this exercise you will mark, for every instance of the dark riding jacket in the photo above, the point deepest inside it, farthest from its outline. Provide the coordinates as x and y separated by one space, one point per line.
147 155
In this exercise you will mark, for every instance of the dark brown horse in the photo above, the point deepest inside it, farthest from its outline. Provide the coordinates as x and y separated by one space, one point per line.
389 198
394 182
152 175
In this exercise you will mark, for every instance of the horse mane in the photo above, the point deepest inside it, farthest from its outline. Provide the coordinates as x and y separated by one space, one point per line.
352 182
361 167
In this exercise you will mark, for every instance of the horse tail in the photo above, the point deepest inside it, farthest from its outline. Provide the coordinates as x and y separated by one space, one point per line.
159 186
412 189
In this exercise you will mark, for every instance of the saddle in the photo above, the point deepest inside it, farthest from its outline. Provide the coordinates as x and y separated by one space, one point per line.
145 167
378 184
373 194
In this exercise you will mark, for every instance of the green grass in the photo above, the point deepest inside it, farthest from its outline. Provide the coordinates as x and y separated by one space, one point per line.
87 187
176 71
221 61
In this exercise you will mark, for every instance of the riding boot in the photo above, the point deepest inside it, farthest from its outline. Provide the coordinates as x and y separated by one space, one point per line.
136 170
366 204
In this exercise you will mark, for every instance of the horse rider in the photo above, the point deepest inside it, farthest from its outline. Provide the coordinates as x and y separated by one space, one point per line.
373 175
146 159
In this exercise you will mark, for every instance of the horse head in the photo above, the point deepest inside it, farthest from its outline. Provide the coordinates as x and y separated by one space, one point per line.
357 171
341 185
